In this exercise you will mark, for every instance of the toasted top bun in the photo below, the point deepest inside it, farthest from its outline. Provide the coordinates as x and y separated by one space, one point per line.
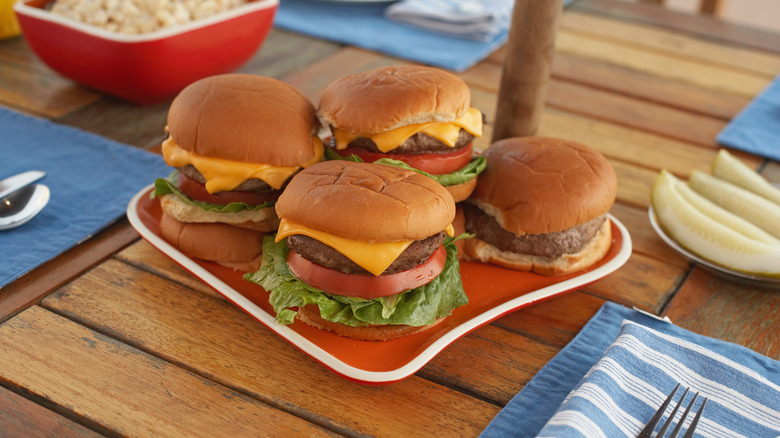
385 98
245 118
366 202
535 185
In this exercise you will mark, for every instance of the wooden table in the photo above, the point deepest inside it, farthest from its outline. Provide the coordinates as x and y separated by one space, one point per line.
113 338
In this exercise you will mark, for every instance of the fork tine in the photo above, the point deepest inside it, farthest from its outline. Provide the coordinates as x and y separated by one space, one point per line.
674 413
648 430
695 422
684 416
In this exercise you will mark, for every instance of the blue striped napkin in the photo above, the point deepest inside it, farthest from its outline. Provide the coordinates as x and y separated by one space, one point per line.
756 129
91 179
616 373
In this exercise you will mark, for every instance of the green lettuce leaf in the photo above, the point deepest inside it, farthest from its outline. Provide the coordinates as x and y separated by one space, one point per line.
466 173
415 307
331 154
170 186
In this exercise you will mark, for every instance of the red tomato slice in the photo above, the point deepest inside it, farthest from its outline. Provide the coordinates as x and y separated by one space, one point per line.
198 192
435 164
366 286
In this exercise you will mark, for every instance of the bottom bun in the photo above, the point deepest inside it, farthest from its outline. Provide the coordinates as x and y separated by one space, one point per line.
310 315
564 264
237 248
462 191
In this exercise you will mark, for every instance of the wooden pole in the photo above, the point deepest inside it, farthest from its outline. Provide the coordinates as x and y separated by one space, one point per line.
526 68
712 7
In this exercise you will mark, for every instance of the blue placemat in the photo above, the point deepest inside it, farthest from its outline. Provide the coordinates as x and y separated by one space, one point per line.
756 129
364 25
91 179
613 376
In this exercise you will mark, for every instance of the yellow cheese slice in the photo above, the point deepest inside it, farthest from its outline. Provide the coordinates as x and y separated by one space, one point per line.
446 132
373 257
222 175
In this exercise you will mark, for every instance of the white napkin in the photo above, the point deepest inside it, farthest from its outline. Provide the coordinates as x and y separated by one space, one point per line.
479 20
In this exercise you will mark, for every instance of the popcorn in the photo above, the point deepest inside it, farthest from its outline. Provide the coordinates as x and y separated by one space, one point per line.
140 16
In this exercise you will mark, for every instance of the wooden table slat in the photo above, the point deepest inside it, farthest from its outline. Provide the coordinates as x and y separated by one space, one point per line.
555 321
737 59
214 338
725 309
41 93
72 366
702 26
621 79
21 417
662 65
501 363
50 275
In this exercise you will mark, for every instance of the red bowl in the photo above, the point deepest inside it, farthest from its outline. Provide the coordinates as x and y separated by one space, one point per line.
151 67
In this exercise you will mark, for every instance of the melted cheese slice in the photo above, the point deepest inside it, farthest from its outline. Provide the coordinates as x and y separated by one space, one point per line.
373 257
222 175
446 132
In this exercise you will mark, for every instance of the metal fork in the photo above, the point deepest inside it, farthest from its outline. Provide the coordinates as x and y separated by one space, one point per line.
648 430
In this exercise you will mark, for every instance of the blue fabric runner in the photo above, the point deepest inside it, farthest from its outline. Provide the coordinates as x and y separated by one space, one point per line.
91 179
365 25
618 370
756 129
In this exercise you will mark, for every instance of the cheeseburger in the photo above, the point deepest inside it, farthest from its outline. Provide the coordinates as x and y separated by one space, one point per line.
235 140
362 250
420 116
541 205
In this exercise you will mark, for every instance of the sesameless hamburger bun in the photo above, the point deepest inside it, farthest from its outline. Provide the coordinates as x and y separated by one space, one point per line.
541 205
235 140
362 251
231 246
421 116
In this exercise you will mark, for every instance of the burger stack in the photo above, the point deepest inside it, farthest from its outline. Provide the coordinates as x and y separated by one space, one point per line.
235 140
363 250
356 236
419 117
541 205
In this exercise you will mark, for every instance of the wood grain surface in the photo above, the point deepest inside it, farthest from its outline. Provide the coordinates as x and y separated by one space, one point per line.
212 337
115 339
20 416
138 393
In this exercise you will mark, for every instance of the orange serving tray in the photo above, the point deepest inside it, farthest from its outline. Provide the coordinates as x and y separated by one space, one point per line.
492 291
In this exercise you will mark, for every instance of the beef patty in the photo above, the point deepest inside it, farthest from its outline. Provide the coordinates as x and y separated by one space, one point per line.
570 241
417 144
253 185
323 255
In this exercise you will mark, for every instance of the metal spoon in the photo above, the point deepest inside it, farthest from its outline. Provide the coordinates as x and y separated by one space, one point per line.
16 182
20 206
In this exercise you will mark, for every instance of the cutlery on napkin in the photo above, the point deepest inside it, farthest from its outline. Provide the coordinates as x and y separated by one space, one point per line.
478 20
625 387
91 178
612 377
